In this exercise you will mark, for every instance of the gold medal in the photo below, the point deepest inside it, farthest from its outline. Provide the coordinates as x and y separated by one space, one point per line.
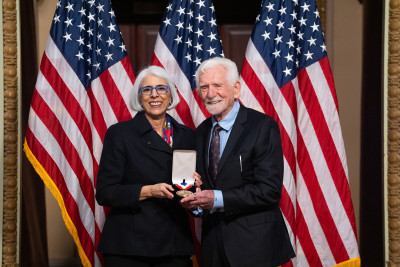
183 193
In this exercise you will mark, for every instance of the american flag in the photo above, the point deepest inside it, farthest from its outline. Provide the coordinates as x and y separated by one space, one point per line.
188 35
286 74
82 88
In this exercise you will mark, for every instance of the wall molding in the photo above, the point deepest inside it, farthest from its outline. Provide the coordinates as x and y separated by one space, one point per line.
392 117
11 150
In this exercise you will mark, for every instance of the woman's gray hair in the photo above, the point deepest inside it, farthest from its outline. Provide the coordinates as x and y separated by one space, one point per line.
232 73
156 71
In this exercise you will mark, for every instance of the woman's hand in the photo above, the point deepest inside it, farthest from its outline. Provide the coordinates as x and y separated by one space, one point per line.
161 190
197 180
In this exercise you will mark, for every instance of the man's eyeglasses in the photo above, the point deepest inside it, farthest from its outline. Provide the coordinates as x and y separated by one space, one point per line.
148 90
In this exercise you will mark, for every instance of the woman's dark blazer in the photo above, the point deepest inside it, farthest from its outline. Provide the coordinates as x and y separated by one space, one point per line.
134 155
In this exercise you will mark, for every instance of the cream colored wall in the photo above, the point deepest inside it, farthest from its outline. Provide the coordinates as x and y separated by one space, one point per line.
346 66
345 56
61 247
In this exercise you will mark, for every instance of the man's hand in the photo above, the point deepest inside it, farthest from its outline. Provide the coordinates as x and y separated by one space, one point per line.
187 204
203 199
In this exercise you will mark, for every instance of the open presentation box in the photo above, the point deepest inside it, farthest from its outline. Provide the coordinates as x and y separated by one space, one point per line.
183 167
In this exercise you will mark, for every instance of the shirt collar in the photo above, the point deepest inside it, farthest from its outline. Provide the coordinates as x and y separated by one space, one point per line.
227 122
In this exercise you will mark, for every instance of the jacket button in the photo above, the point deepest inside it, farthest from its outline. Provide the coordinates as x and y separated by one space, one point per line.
148 142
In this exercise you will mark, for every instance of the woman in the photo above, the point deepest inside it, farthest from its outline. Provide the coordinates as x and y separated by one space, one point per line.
146 226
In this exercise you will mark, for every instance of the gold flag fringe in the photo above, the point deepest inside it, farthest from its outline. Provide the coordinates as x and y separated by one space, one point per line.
356 262
57 195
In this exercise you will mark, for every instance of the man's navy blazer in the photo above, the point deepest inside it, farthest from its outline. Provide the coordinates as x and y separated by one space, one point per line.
251 228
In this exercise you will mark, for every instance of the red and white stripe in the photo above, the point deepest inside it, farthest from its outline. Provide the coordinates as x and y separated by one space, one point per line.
65 135
190 110
316 201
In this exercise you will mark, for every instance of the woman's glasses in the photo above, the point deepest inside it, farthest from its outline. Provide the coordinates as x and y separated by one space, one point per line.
148 90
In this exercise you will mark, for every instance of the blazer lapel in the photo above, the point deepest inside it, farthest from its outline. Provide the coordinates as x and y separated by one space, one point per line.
206 141
179 140
236 132
154 141
151 138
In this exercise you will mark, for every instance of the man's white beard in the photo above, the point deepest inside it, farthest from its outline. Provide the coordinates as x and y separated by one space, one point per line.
215 109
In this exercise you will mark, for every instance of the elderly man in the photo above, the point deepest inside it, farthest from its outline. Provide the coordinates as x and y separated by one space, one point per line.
240 160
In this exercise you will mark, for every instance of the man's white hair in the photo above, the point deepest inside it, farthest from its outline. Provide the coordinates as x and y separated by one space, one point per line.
232 73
